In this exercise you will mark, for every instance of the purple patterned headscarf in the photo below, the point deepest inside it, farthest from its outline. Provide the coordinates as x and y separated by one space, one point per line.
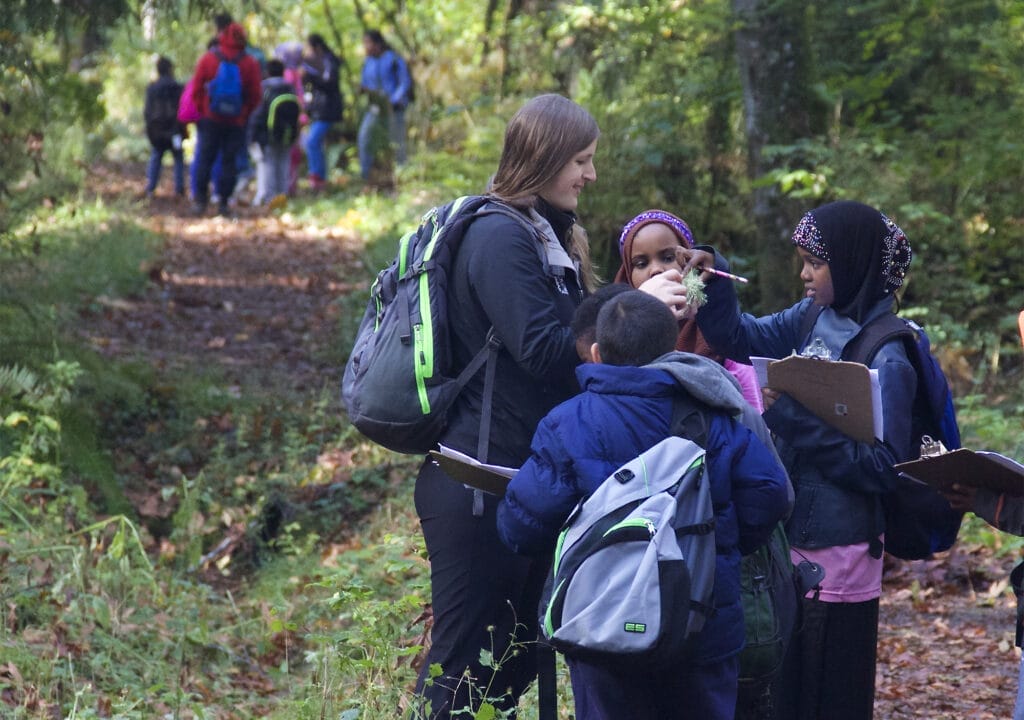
656 216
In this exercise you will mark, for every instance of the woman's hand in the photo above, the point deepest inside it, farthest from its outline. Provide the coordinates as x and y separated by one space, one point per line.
693 259
668 287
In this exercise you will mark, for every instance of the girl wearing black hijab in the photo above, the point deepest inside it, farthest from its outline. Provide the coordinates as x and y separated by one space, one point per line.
854 259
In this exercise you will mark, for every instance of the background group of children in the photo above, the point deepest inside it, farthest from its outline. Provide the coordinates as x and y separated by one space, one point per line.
294 77
297 90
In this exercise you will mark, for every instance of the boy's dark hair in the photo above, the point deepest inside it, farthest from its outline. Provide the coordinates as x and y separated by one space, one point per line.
584 321
275 68
376 37
164 67
635 328
221 20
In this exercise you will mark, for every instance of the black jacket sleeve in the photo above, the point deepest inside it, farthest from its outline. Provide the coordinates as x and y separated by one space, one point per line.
507 276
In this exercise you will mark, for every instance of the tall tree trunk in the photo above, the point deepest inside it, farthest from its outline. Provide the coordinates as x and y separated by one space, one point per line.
719 139
492 7
513 8
779 109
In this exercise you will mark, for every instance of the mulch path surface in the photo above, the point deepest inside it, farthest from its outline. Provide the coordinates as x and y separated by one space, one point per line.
255 297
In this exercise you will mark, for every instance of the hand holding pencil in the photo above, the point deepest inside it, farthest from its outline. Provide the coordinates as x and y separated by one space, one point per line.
704 262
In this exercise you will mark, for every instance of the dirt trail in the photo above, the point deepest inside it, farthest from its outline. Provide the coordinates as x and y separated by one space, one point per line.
252 295
255 296
946 637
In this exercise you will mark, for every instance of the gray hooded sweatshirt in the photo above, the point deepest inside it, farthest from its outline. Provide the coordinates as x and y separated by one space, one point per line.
710 383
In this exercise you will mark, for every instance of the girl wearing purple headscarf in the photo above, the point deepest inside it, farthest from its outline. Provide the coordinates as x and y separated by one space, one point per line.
854 259
649 246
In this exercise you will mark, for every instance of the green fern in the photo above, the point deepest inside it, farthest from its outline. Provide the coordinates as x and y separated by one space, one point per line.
16 381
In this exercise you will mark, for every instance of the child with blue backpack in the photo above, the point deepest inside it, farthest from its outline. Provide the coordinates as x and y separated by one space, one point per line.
854 259
626 407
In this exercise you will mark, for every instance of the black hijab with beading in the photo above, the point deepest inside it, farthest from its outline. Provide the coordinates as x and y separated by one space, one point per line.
867 254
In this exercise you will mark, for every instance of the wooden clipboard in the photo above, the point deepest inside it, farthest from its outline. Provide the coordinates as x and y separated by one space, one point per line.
979 469
841 393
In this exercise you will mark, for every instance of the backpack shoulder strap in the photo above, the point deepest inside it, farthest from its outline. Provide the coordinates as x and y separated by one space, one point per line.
689 419
491 205
807 324
866 343
494 206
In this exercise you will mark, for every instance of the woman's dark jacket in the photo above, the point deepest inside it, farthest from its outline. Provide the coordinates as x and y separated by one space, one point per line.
499 279
326 103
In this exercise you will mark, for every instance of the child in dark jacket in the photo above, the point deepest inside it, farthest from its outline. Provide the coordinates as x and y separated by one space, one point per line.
163 129
273 154
854 259
625 409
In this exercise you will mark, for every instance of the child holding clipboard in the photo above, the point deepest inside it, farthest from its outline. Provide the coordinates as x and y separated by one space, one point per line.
854 259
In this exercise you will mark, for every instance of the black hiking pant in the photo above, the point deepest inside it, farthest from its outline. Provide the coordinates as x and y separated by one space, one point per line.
482 593
227 141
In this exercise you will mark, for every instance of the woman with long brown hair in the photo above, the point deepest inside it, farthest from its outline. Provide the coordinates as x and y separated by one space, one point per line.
520 278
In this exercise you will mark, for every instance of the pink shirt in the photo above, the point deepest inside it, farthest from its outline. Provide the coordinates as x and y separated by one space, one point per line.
851 574
747 378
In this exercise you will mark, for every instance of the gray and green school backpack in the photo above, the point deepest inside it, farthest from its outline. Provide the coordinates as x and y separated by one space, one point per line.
400 381
634 565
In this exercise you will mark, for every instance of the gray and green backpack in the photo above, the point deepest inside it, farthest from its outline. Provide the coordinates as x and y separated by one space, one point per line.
634 566
400 379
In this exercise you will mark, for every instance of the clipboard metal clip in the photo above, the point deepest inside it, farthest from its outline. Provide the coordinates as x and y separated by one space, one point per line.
932 448
817 350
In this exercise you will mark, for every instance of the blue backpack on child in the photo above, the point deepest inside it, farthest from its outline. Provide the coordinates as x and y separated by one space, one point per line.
225 89
918 519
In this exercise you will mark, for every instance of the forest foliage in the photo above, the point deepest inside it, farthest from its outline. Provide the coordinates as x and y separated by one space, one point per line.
914 107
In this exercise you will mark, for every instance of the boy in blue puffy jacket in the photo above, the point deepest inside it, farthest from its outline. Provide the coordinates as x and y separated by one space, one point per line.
626 408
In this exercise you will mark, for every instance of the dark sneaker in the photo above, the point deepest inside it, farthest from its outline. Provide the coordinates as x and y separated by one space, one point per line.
224 210
198 209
